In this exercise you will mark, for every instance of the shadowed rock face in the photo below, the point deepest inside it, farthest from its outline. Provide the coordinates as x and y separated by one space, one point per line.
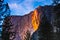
22 24
49 28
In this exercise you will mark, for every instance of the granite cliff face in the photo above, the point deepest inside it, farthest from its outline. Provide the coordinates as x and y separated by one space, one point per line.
40 20
22 24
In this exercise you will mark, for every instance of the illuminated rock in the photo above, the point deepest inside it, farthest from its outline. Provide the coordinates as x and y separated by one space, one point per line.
35 19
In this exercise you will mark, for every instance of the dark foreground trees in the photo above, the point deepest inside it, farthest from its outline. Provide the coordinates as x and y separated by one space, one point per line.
4 12
6 27
56 2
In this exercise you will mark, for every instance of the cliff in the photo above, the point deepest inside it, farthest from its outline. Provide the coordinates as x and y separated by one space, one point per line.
39 20
22 24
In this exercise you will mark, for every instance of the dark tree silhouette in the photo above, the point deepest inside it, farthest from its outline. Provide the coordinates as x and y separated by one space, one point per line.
4 12
56 2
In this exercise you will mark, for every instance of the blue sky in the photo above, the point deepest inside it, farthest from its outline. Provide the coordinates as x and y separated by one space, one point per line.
22 7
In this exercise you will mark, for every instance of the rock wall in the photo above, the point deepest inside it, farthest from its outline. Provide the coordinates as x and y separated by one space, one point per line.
22 24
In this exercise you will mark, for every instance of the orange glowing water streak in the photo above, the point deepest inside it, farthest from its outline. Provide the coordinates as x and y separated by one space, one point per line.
35 20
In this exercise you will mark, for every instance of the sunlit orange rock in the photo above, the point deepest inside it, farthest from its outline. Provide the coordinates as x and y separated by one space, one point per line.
35 19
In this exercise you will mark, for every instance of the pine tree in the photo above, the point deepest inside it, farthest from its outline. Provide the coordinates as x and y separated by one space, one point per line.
4 12
55 2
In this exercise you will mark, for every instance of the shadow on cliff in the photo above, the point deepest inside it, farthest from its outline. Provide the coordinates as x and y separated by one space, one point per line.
45 30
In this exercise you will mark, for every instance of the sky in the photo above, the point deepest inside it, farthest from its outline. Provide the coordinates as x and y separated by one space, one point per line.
22 7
